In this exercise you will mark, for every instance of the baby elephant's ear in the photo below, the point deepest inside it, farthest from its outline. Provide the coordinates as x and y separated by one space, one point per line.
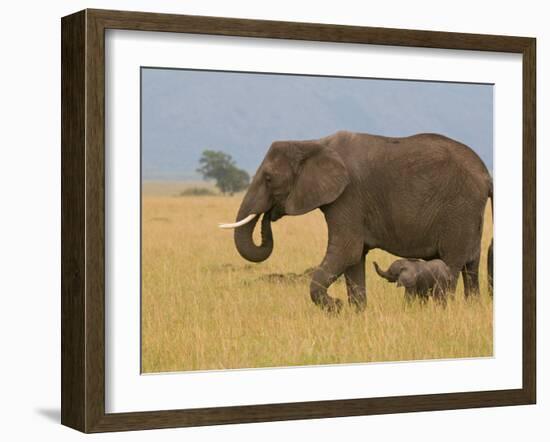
321 177
407 278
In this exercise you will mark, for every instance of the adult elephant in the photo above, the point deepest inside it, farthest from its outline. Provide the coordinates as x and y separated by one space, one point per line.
421 196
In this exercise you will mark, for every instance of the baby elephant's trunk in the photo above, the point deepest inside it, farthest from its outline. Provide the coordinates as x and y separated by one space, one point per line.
383 274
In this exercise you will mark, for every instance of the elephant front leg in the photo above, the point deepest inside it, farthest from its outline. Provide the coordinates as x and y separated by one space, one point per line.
439 293
323 277
410 295
355 284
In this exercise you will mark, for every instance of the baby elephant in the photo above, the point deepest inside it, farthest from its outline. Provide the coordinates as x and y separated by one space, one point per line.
419 277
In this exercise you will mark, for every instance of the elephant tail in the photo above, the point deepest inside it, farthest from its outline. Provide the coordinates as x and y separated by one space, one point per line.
490 251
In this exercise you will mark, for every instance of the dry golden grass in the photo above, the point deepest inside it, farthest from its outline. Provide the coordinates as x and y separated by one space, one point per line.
174 188
204 307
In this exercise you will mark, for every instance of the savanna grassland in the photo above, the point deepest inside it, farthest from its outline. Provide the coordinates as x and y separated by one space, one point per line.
204 307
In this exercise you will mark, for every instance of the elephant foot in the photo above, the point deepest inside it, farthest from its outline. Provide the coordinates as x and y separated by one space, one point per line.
359 305
416 298
440 297
441 302
332 306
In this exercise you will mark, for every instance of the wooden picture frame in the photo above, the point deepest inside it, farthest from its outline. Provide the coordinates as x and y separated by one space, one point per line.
83 220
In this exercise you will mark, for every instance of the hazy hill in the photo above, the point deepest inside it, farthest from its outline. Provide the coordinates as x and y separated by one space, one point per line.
185 112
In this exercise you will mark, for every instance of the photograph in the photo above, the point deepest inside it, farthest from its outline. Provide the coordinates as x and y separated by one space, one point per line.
303 220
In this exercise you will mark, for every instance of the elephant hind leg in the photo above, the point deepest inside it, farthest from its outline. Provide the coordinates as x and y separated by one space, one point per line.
457 261
355 284
470 275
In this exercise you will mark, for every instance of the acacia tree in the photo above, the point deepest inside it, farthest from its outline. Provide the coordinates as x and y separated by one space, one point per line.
221 167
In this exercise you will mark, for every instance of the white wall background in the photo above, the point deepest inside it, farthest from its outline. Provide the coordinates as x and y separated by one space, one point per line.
30 217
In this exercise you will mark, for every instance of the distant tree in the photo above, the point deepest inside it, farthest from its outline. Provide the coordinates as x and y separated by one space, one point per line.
221 167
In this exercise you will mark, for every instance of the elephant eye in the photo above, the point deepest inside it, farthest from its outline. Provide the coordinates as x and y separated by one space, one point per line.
268 178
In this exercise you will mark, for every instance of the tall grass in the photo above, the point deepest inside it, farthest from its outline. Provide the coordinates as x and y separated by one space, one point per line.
204 307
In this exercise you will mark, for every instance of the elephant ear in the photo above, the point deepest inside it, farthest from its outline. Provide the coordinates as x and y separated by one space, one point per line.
321 176
407 278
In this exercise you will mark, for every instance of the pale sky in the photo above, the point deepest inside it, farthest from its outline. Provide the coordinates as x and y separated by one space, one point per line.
185 112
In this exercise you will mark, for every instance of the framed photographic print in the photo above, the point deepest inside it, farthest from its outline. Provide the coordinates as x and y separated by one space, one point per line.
271 220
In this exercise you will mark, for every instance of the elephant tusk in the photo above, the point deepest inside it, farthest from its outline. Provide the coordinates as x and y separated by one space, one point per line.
239 223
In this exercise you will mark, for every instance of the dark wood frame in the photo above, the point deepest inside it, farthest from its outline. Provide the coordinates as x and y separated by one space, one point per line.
83 216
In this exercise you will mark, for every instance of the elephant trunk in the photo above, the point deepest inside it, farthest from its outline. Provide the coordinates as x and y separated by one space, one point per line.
245 243
382 273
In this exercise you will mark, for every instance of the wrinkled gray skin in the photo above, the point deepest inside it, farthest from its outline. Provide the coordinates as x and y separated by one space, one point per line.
420 278
421 196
